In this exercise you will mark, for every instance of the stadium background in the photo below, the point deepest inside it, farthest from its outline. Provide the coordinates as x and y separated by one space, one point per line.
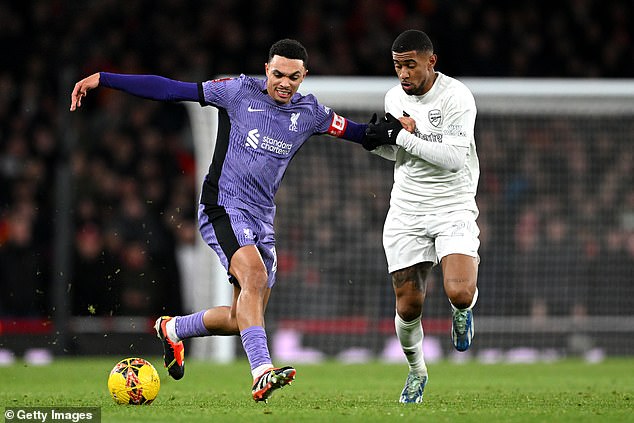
126 167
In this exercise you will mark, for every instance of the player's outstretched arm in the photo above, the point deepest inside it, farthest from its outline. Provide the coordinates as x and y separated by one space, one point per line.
152 87
81 90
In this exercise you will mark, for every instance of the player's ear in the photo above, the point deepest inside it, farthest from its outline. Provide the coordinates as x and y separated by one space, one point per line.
432 60
266 68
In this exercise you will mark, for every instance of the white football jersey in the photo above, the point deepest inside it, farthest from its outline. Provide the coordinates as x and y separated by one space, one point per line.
445 114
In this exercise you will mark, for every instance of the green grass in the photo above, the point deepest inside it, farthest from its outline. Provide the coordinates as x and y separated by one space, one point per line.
567 391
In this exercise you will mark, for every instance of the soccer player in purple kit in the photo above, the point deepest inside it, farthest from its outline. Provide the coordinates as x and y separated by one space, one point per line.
262 124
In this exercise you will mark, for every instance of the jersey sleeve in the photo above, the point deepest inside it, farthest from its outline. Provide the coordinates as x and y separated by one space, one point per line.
459 119
392 105
220 92
152 87
327 121
323 117
388 152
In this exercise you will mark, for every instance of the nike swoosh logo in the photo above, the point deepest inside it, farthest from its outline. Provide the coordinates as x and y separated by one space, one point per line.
250 109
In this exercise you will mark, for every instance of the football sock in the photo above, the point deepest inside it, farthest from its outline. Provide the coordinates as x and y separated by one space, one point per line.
410 335
255 345
170 328
189 326
260 370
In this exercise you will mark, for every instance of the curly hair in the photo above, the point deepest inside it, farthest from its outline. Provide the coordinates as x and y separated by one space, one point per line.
291 49
412 40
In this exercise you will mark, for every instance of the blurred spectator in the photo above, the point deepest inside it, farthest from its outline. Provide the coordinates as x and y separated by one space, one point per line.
611 289
142 291
524 262
94 289
495 281
561 286
23 279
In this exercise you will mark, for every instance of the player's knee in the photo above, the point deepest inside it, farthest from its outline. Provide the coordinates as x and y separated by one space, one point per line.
252 275
409 313
460 293
409 308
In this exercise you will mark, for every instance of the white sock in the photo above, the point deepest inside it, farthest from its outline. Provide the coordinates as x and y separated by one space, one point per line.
410 335
170 328
260 370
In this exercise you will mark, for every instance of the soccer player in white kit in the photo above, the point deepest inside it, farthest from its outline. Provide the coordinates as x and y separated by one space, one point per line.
432 215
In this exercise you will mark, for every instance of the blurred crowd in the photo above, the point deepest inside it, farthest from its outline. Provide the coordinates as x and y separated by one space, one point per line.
557 215
556 199
556 195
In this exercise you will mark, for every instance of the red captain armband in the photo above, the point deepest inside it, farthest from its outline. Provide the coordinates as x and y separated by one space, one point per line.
337 126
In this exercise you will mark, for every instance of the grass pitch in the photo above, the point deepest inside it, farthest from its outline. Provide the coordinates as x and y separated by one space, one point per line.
566 391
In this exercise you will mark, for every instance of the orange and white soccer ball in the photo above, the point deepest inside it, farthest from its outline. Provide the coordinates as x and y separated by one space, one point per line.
134 381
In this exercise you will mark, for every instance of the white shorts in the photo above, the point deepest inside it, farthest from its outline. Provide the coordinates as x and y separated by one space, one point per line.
411 239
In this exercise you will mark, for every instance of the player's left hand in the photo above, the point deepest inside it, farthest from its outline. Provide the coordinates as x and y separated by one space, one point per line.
81 90
383 132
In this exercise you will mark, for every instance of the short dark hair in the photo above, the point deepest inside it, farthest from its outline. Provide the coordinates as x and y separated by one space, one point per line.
412 40
291 49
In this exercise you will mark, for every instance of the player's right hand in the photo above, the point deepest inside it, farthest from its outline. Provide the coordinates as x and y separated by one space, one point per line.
409 124
81 89
381 133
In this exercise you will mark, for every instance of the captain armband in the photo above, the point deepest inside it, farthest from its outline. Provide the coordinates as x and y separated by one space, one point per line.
337 126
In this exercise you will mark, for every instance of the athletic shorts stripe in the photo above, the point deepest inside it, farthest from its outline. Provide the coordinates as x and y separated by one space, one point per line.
223 231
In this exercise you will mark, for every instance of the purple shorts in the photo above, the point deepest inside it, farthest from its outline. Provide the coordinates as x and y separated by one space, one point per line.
225 230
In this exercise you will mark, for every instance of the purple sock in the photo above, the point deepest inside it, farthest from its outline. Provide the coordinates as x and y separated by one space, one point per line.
254 343
191 326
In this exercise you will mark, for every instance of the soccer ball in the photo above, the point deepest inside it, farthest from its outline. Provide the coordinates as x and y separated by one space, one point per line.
134 381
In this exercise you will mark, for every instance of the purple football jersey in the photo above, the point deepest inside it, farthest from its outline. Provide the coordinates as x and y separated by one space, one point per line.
257 138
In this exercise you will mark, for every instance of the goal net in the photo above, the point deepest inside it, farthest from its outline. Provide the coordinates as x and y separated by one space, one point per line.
556 199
